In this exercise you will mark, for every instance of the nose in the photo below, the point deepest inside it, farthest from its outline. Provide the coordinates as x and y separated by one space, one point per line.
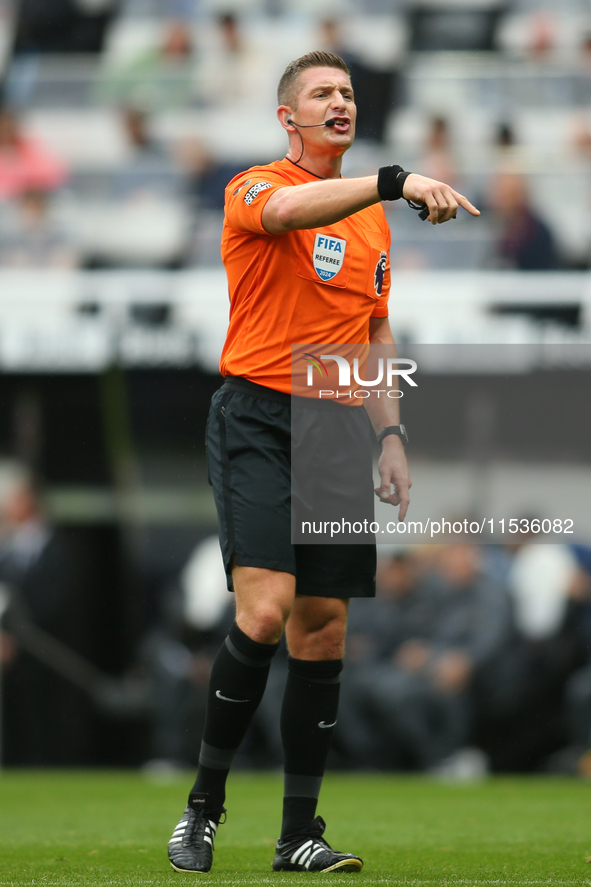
338 102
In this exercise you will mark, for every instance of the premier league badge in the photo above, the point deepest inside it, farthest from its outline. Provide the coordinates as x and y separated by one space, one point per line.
378 277
328 256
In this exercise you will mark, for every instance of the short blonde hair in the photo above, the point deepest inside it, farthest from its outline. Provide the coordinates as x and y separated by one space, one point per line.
287 92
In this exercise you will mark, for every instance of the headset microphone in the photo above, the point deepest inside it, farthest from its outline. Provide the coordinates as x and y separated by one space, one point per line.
331 122
299 126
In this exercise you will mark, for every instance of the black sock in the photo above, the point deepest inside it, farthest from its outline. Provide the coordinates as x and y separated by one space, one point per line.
236 686
308 717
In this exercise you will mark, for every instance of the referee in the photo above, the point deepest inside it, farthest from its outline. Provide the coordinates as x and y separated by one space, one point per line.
273 217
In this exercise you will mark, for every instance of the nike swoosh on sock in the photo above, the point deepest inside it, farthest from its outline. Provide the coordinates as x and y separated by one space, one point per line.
227 698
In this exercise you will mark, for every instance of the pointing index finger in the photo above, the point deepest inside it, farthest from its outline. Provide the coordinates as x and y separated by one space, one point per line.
469 207
404 503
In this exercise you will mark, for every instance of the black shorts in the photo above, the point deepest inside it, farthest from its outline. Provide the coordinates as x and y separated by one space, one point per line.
248 441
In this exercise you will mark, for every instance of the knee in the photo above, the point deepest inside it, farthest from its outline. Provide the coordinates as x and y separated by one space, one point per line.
323 639
264 600
264 624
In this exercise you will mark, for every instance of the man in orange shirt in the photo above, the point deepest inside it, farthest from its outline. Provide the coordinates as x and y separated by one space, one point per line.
306 254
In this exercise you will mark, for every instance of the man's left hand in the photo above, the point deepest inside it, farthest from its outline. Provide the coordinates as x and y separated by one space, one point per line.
442 201
394 474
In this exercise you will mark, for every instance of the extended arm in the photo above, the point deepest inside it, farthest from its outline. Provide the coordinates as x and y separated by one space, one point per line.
317 204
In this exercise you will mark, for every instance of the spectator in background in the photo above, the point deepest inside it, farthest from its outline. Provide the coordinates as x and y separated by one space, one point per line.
152 166
543 33
377 89
25 164
233 71
507 152
578 687
509 156
442 631
524 242
179 652
158 78
505 138
550 588
331 39
207 174
585 51
206 177
42 712
136 123
438 160
33 236
406 608
464 658
543 580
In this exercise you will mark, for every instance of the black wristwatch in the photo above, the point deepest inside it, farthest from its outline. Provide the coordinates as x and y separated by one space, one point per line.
400 430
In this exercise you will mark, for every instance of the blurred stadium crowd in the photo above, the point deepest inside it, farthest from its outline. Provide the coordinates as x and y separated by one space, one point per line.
472 659
121 122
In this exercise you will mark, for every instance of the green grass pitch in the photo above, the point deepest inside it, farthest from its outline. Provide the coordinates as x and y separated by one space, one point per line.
81 828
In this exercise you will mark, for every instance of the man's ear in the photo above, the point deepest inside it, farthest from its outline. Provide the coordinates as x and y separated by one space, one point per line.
284 113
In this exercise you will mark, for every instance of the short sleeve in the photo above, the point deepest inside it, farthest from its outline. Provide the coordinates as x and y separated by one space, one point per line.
246 196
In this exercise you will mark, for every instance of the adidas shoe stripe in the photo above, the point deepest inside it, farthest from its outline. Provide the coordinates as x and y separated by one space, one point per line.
191 845
296 858
316 852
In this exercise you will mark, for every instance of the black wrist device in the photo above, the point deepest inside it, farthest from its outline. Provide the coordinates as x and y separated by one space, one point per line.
400 430
391 181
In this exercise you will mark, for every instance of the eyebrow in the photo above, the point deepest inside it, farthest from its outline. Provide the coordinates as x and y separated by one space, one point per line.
316 86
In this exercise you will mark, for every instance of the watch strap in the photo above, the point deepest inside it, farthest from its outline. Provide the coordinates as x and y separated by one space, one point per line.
400 430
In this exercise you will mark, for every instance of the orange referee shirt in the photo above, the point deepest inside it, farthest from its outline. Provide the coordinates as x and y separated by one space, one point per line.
319 285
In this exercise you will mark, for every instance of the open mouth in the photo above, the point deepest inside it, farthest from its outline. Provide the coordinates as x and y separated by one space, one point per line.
341 124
